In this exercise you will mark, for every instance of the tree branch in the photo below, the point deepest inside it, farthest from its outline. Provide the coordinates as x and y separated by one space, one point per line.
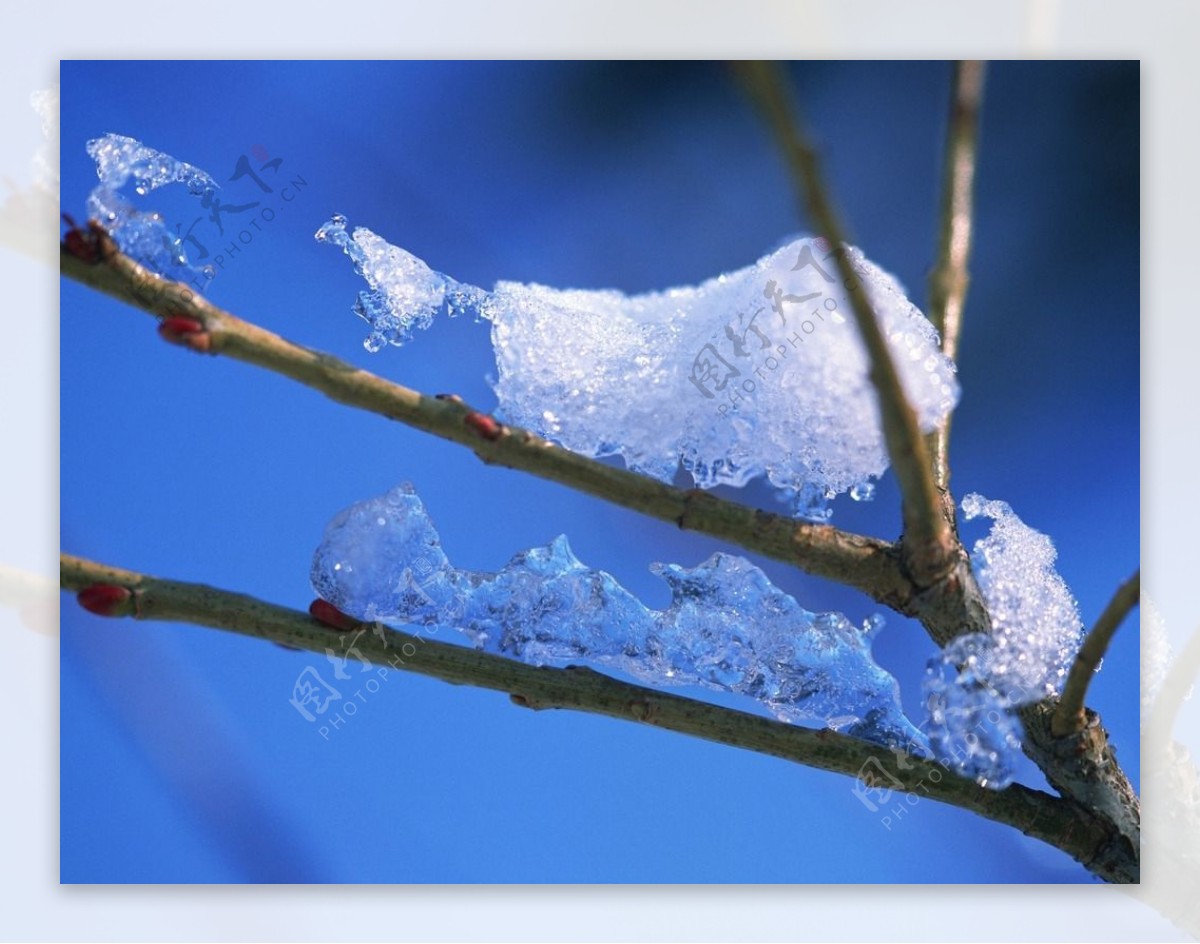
1058 822
949 280
927 541
1069 716
865 563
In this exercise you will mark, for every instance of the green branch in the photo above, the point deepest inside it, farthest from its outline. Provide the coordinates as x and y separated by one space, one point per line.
1060 823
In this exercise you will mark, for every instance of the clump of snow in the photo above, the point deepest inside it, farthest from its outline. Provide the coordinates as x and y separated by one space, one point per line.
1035 619
974 685
757 372
727 627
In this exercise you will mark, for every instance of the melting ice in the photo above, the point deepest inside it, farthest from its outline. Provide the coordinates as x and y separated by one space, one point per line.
142 234
755 372
974 685
727 626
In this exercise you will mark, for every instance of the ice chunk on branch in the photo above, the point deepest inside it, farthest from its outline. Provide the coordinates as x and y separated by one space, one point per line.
142 234
727 627
758 372
975 684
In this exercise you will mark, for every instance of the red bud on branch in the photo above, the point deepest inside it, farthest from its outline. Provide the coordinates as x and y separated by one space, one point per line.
325 612
186 332
483 425
82 244
106 599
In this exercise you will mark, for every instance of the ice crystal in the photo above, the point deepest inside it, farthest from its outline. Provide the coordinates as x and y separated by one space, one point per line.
143 234
972 727
1035 619
727 627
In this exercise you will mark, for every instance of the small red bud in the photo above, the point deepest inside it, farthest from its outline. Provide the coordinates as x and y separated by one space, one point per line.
81 244
325 612
105 599
186 332
483 425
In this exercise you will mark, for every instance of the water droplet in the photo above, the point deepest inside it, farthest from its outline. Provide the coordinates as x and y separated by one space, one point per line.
863 491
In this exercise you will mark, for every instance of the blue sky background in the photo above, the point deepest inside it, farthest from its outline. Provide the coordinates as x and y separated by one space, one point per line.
181 757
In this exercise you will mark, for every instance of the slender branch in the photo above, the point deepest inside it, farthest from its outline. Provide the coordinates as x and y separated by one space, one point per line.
866 563
927 541
1069 716
1058 822
949 280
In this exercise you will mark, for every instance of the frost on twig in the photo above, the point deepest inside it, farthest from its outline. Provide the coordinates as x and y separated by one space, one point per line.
755 372
727 627
974 686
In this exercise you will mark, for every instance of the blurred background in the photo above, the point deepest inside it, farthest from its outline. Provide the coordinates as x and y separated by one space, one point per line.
182 759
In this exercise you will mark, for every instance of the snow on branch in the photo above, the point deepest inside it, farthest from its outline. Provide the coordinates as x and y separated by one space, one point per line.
752 373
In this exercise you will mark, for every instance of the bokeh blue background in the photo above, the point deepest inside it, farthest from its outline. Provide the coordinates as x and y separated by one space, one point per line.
181 757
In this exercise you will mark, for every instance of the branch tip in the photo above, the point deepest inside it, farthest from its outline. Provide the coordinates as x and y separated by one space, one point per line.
1071 716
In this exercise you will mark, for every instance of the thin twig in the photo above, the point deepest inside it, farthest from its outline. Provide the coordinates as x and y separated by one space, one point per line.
950 278
865 563
927 539
1069 717
885 772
